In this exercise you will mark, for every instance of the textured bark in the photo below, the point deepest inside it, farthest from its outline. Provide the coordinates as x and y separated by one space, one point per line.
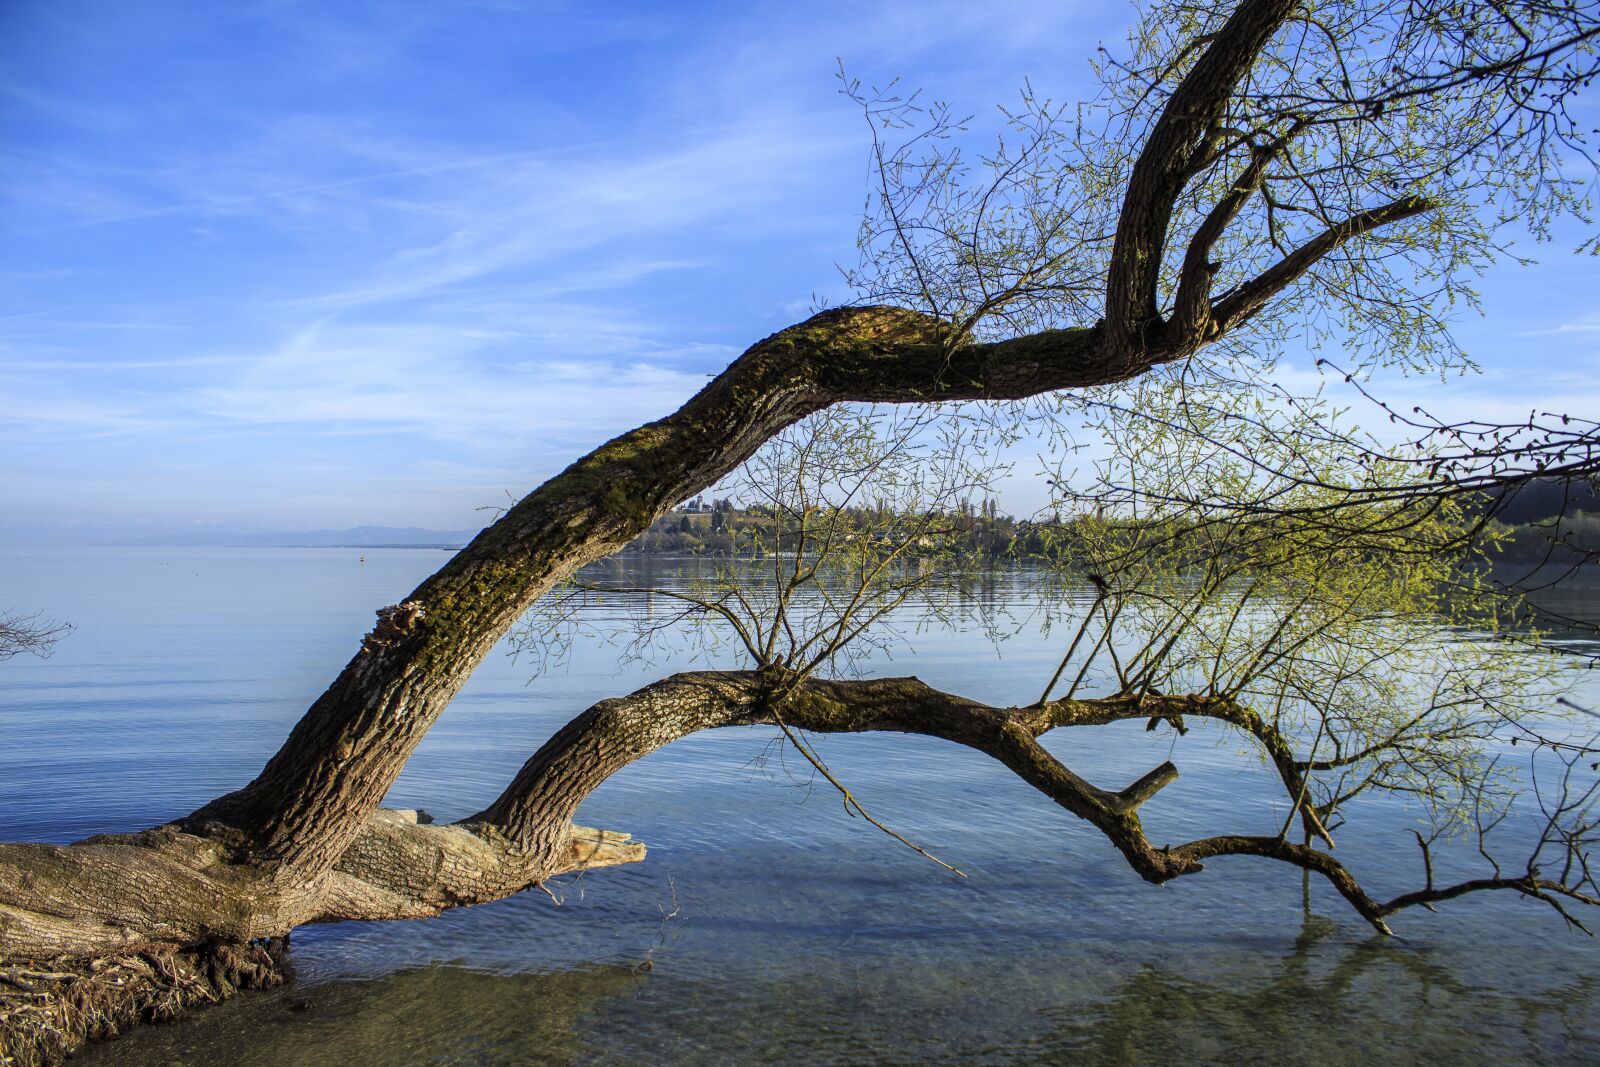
316 794
1177 148
170 887
615 732
167 888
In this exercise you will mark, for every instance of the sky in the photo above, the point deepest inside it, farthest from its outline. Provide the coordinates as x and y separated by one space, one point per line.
285 266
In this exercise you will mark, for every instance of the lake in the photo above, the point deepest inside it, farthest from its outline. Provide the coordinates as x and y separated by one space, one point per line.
766 924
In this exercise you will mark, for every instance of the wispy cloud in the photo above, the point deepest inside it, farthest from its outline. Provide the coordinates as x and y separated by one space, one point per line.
427 381
1587 325
351 259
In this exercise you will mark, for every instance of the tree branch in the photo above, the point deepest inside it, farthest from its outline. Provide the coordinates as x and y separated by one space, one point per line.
1191 320
317 792
1166 164
1240 305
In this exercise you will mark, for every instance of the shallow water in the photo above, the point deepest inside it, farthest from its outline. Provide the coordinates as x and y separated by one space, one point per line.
766 925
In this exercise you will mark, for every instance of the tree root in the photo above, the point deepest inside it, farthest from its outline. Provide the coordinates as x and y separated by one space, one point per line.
49 1009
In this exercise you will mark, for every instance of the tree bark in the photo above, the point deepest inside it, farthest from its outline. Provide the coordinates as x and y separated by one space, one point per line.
168 888
315 795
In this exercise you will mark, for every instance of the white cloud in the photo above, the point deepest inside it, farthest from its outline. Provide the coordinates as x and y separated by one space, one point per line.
427 380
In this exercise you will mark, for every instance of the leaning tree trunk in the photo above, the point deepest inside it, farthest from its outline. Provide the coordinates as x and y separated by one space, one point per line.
314 796
278 853
317 792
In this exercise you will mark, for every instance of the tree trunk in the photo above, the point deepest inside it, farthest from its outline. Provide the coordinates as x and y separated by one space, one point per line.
316 794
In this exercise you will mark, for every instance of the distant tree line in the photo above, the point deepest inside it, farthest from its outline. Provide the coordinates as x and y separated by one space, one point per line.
1544 521
722 529
1553 520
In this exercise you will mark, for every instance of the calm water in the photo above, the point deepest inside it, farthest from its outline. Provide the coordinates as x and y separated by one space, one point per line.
766 925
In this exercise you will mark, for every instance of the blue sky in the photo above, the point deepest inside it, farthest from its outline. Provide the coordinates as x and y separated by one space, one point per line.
289 265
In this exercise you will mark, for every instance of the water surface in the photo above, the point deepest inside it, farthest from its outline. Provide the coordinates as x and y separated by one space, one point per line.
766 924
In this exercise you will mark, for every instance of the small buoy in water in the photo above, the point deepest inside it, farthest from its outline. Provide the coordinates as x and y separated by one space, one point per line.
363 559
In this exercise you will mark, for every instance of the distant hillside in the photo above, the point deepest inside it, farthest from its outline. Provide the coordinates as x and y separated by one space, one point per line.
1548 521
722 529
1545 498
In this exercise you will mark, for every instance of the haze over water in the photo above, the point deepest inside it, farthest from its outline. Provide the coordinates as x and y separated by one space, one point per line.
765 925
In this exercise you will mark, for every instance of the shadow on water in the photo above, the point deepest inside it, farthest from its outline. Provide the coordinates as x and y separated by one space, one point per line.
428 1015
1372 1002
1325 1000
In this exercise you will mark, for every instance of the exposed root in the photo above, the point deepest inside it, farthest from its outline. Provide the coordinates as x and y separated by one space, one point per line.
50 1009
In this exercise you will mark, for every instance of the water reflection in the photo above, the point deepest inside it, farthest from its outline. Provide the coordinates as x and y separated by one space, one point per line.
1372 1002
1325 1000
801 938
429 1015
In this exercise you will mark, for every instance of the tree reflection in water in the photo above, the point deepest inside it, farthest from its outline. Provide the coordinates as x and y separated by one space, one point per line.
1326 1000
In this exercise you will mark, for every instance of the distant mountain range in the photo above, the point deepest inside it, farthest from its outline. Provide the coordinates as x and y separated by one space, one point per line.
354 537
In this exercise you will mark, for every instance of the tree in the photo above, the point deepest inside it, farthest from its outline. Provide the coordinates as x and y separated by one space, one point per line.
29 633
1255 168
